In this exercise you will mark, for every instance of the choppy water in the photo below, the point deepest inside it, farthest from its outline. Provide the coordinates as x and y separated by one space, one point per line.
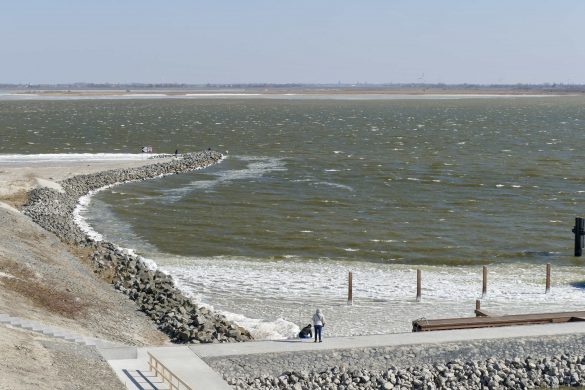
314 188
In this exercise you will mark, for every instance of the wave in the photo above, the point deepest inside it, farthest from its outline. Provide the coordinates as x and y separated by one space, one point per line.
336 185
206 95
278 329
261 329
255 168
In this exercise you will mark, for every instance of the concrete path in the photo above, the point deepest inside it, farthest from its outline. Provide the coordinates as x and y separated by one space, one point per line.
399 339
189 367
131 367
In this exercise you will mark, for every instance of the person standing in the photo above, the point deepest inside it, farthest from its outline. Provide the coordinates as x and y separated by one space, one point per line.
318 324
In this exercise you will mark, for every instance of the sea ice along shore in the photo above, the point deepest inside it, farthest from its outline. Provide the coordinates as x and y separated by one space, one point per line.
153 291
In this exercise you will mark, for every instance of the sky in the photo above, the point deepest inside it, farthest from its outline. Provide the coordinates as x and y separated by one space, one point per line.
301 41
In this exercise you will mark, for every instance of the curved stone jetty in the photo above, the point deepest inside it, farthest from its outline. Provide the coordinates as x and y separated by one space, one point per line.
153 291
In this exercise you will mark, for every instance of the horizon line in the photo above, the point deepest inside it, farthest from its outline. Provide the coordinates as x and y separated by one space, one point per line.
288 85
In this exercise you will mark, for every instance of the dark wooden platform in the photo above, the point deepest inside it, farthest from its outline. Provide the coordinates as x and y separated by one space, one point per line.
486 320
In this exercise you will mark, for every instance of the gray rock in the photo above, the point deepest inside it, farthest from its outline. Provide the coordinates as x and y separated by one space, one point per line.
53 211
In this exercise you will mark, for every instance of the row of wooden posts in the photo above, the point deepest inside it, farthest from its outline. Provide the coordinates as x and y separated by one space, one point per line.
419 284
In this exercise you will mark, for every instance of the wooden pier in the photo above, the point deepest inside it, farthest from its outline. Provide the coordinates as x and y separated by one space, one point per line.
487 320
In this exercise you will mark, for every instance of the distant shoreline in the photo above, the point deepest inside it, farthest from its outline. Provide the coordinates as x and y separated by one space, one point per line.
368 95
308 91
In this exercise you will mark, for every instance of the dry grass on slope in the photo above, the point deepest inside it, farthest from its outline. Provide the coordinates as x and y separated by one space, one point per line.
16 200
24 282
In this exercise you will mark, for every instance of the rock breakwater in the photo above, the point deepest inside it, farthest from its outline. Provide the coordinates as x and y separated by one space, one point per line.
492 374
506 363
153 291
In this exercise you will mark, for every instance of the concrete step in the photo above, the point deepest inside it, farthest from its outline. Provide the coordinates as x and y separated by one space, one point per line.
24 324
52 331
99 343
31 326
143 380
131 366
66 336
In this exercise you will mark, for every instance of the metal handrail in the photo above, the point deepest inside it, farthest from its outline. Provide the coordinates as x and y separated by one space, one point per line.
166 374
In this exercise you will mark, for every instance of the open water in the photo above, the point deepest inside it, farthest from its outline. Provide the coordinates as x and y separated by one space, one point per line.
314 188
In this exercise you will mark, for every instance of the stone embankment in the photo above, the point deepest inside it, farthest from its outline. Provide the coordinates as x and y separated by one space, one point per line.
153 291
519 363
529 373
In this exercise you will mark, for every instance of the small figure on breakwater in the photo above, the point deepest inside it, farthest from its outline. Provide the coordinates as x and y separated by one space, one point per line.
306 332
318 323
176 152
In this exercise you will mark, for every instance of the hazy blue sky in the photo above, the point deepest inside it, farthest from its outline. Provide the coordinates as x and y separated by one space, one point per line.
317 41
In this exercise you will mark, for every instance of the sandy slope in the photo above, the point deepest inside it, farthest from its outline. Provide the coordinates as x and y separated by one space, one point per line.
32 361
44 280
18 177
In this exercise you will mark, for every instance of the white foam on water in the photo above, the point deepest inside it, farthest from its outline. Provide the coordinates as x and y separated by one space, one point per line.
277 329
384 294
221 94
145 95
256 167
336 185
57 157
260 329
79 216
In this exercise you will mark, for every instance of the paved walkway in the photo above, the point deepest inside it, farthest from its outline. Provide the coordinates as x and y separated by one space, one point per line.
398 339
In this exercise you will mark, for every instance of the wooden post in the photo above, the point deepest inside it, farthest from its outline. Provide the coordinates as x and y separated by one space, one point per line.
484 284
547 278
579 231
418 284
478 311
350 289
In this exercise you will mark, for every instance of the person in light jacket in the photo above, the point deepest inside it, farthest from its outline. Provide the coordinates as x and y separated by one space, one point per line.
318 324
